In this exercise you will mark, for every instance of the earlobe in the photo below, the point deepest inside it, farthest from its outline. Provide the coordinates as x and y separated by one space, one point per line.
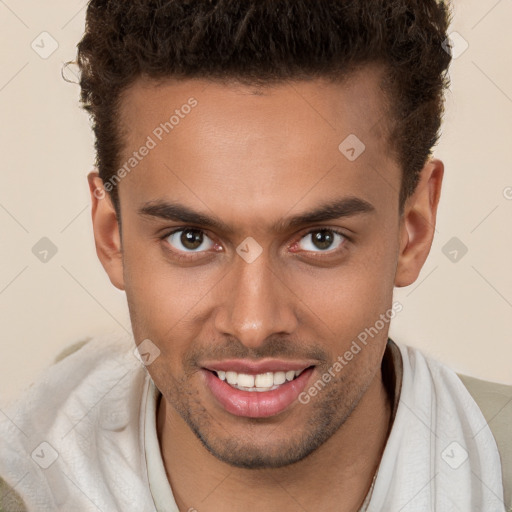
106 230
417 225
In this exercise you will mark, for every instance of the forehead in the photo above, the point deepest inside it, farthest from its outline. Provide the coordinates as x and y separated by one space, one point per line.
353 102
273 144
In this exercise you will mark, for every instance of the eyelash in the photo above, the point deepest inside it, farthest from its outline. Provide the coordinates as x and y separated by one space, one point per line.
192 256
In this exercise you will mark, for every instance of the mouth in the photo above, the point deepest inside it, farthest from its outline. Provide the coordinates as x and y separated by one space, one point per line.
256 394
261 382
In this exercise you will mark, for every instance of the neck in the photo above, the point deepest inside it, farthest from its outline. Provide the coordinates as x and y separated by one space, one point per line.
337 476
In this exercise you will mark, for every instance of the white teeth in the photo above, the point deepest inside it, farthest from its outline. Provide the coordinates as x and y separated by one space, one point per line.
245 381
261 382
279 378
264 380
231 377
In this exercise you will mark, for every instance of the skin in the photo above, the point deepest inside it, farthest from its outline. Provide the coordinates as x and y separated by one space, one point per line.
251 158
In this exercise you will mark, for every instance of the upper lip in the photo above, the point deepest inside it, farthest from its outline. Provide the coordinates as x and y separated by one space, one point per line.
256 367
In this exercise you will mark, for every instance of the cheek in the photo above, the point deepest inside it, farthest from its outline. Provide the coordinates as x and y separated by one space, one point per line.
352 296
165 303
163 294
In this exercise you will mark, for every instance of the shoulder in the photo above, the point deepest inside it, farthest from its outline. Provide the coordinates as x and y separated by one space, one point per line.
491 395
460 393
81 405
493 399
495 402
10 500
80 375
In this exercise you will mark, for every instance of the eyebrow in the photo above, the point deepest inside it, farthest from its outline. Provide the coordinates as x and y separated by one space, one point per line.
337 209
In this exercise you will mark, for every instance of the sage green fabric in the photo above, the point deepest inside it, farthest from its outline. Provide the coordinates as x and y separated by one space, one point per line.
495 402
9 499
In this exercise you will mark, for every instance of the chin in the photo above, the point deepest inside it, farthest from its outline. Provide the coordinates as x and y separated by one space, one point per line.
272 450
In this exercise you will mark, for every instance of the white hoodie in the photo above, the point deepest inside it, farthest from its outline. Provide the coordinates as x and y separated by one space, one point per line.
83 437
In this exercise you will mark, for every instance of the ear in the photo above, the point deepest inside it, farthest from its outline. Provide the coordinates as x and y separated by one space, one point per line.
418 222
106 230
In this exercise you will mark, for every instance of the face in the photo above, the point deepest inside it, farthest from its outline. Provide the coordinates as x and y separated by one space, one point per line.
255 251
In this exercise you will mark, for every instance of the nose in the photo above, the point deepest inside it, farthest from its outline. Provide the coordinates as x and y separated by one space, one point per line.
255 303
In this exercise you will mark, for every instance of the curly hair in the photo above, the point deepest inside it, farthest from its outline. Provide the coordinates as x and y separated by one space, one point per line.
260 42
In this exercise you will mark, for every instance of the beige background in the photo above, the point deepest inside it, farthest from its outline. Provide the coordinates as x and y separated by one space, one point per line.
459 312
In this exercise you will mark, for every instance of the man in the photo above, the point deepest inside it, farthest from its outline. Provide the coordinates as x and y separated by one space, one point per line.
264 180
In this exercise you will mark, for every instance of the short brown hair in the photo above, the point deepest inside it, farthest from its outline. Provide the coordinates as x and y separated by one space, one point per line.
266 41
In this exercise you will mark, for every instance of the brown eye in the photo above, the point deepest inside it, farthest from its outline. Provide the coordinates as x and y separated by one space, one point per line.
189 239
321 240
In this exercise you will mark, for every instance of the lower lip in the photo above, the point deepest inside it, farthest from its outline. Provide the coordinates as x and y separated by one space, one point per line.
256 404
